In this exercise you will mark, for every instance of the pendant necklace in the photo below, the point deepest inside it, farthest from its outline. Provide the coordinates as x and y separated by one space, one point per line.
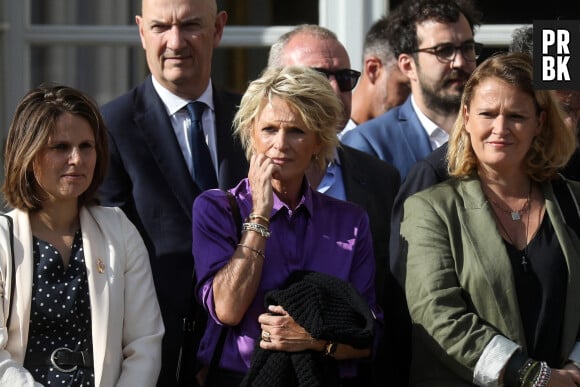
525 250
526 207
515 214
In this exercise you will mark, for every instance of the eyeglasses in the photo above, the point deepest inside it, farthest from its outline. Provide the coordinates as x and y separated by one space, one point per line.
445 53
346 79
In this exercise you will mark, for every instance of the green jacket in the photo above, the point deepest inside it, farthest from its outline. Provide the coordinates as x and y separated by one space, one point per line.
459 282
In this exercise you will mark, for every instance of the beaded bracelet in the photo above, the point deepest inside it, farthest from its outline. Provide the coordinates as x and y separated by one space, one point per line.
256 251
253 216
543 376
256 227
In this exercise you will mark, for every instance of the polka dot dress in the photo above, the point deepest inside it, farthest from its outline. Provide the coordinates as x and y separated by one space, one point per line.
60 314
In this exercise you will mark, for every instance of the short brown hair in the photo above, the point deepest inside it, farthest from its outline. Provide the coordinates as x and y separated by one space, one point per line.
550 150
33 122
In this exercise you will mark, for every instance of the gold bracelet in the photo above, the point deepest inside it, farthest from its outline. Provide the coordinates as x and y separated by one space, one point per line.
253 216
256 251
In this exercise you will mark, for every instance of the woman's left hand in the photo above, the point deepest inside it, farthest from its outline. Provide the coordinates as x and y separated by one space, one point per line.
281 333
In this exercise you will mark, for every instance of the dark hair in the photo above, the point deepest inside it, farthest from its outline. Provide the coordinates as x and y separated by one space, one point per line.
377 39
408 14
33 123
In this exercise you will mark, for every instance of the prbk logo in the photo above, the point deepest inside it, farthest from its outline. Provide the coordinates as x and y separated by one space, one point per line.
557 54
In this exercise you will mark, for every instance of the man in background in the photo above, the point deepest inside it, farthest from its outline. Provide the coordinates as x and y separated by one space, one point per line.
382 85
153 174
433 41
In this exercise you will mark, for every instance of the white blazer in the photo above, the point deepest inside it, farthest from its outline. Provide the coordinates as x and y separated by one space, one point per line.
126 321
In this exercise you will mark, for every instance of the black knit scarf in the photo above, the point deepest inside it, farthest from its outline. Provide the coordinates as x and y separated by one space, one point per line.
327 307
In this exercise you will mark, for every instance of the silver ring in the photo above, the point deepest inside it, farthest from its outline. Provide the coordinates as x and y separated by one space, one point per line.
53 360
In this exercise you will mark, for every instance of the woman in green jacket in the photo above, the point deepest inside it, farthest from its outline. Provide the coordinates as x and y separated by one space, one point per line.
492 262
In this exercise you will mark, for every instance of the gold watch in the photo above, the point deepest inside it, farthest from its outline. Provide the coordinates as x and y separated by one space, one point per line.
330 348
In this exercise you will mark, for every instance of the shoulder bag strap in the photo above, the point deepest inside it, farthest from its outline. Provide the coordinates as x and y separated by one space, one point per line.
568 204
215 359
235 212
13 266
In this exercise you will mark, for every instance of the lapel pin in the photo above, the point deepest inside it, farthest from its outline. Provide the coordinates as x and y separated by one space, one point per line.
100 266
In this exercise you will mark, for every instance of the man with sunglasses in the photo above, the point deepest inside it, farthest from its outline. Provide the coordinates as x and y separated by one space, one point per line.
353 175
434 43
382 85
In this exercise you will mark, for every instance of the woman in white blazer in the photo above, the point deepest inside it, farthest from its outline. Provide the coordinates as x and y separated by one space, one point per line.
80 306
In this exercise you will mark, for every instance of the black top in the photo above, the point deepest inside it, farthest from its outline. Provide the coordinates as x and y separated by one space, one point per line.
541 292
60 314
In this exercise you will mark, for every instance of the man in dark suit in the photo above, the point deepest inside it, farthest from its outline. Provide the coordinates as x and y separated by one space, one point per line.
425 173
151 166
434 43
354 175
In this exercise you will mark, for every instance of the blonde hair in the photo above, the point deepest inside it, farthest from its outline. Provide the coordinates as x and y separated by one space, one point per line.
550 150
306 91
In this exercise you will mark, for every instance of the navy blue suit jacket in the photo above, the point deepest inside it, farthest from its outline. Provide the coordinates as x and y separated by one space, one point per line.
396 137
149 179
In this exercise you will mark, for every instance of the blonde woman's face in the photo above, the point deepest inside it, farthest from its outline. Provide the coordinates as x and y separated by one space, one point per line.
281 135
502 123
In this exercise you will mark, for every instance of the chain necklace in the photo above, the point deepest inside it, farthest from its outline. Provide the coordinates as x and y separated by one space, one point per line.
527 208
515 214
525 250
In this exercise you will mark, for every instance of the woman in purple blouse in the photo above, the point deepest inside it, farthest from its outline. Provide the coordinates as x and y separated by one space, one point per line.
287 123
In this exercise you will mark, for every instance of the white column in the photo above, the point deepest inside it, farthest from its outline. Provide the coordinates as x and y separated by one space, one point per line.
16 57
350 20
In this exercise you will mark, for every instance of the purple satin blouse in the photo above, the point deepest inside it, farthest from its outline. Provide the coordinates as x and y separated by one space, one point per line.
322 234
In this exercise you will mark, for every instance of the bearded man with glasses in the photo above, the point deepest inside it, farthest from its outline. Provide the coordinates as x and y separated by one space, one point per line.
434 43
352 175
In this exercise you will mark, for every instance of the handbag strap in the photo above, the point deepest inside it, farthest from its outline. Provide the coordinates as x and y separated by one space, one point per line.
235 212
13 266
216 357
568 204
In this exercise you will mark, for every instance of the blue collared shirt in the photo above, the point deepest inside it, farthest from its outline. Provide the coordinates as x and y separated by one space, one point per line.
332 183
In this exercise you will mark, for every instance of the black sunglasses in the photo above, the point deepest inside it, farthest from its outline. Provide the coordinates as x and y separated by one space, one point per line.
346 79
446 53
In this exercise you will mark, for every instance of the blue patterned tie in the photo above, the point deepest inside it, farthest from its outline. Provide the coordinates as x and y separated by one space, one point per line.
203 170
